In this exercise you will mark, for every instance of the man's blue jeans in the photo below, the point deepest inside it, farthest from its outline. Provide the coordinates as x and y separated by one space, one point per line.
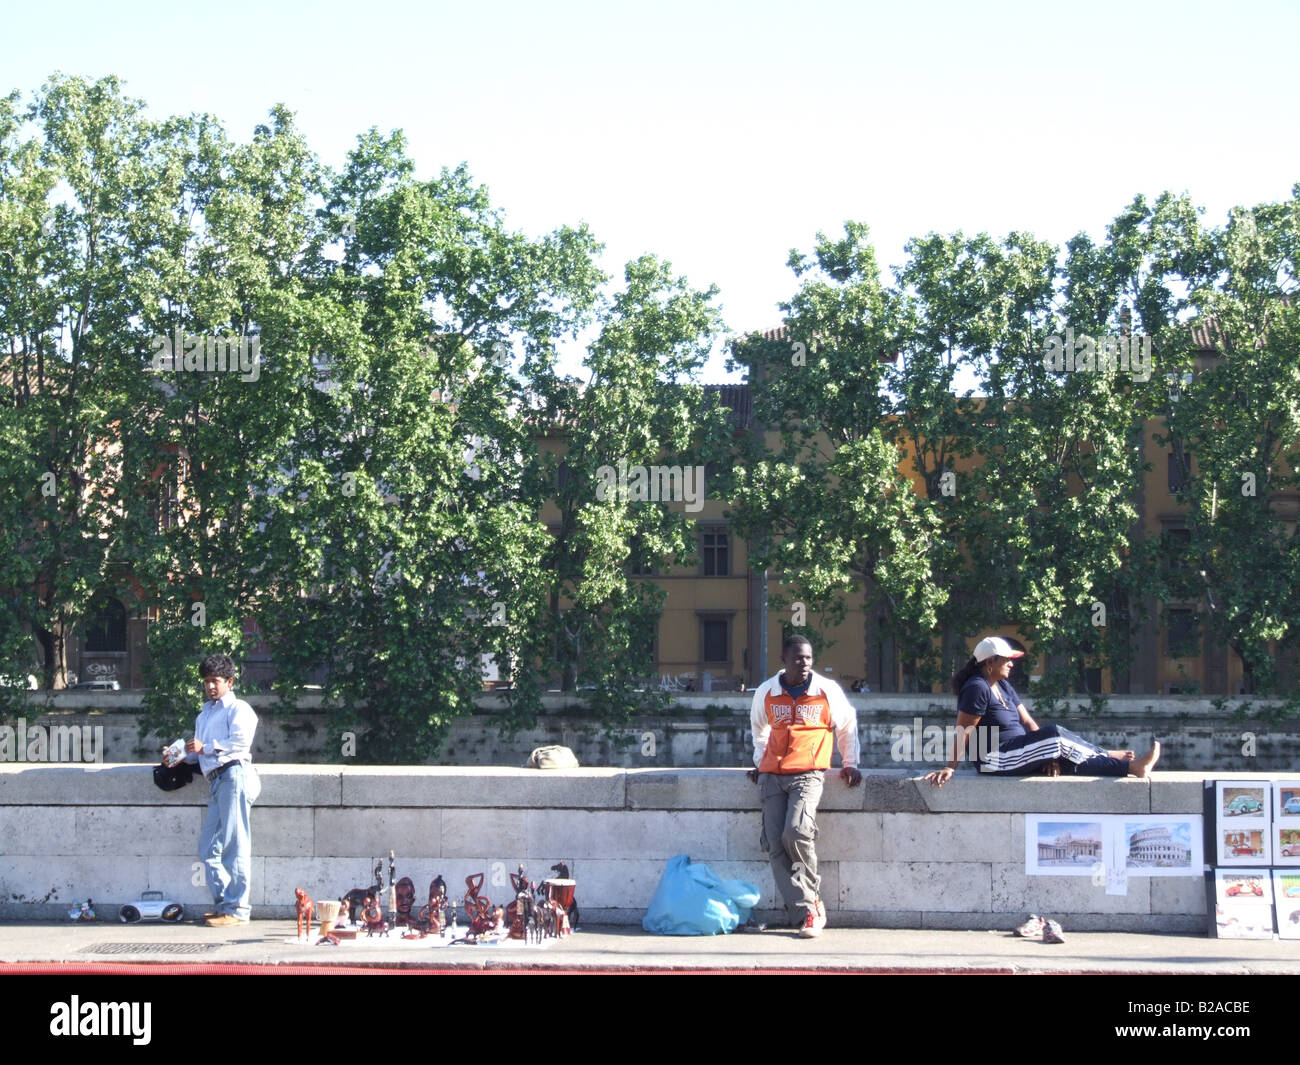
226 842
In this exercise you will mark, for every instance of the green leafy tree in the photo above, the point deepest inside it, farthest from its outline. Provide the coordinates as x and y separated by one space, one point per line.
83 206
401 519
967 304
640 407
1061 462
824 503
1235 412
224 344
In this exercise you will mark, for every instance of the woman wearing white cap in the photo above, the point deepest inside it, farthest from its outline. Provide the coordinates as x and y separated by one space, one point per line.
985 695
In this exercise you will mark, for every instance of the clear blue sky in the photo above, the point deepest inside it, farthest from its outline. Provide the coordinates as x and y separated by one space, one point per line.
719 135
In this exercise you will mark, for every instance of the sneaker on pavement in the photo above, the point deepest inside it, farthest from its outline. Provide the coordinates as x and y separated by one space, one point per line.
1031 928
1052 933
815 921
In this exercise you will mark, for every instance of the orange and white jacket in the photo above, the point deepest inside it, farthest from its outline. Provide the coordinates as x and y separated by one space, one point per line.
794 735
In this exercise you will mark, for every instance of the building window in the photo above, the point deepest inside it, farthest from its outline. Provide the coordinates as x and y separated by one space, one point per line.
1180 634
714 552
105 626
1175 551
639 563
1179 467
714 644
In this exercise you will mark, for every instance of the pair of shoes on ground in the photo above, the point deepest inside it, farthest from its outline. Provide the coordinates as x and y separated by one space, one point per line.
223 920
1037 926
814 921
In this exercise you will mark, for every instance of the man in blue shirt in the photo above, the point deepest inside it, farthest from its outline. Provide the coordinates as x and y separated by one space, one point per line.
222 747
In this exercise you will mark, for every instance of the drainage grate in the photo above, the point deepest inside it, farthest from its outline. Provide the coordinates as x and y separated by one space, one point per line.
150 948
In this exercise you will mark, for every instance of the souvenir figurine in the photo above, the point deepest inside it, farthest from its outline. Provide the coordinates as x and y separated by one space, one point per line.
392 888
432 917
405 901
356 898
305 908
518 912
473 885
373 915
478 908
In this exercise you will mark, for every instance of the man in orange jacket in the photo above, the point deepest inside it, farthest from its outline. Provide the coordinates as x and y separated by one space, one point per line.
793 717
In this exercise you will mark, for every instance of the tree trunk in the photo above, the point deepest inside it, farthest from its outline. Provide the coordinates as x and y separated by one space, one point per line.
53 643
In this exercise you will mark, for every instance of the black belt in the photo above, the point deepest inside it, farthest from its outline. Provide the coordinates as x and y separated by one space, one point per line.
210 777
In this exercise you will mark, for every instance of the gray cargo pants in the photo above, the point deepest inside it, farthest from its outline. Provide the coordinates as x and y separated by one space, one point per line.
789 804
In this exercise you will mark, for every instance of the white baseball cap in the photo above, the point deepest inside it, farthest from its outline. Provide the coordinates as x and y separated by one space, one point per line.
995 645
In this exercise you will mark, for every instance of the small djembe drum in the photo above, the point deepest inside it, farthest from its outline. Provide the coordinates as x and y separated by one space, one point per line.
561 891
327 911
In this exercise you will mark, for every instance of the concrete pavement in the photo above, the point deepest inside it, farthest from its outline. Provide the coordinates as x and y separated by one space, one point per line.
271 943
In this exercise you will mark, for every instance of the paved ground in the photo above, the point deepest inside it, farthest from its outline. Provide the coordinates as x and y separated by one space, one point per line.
270 943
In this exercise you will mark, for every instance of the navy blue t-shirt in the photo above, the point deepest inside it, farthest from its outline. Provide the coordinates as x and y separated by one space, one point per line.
977 699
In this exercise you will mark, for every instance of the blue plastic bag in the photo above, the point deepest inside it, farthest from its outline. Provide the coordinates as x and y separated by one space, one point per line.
692 900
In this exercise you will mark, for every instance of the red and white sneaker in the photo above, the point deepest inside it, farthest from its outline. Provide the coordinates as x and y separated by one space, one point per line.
814 922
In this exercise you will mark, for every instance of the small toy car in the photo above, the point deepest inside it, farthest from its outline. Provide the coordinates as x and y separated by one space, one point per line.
151 906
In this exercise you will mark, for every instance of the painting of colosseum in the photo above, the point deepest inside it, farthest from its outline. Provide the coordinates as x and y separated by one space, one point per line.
1170 845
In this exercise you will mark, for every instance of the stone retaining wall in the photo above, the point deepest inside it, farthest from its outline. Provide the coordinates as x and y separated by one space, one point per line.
894 852
713 730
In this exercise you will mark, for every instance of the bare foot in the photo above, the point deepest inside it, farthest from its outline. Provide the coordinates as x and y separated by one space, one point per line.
1123 756
1142 767
1051 769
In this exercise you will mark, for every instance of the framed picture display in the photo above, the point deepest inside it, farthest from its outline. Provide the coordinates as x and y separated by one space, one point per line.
1243 904
1242 834
1167 845
1286 824
1065 844
1110 848
1286 895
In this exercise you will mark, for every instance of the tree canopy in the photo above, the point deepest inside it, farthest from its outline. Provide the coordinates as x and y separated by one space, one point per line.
239 385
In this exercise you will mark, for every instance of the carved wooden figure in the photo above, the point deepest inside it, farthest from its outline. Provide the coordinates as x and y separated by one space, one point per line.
373 916
305 908
405 900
